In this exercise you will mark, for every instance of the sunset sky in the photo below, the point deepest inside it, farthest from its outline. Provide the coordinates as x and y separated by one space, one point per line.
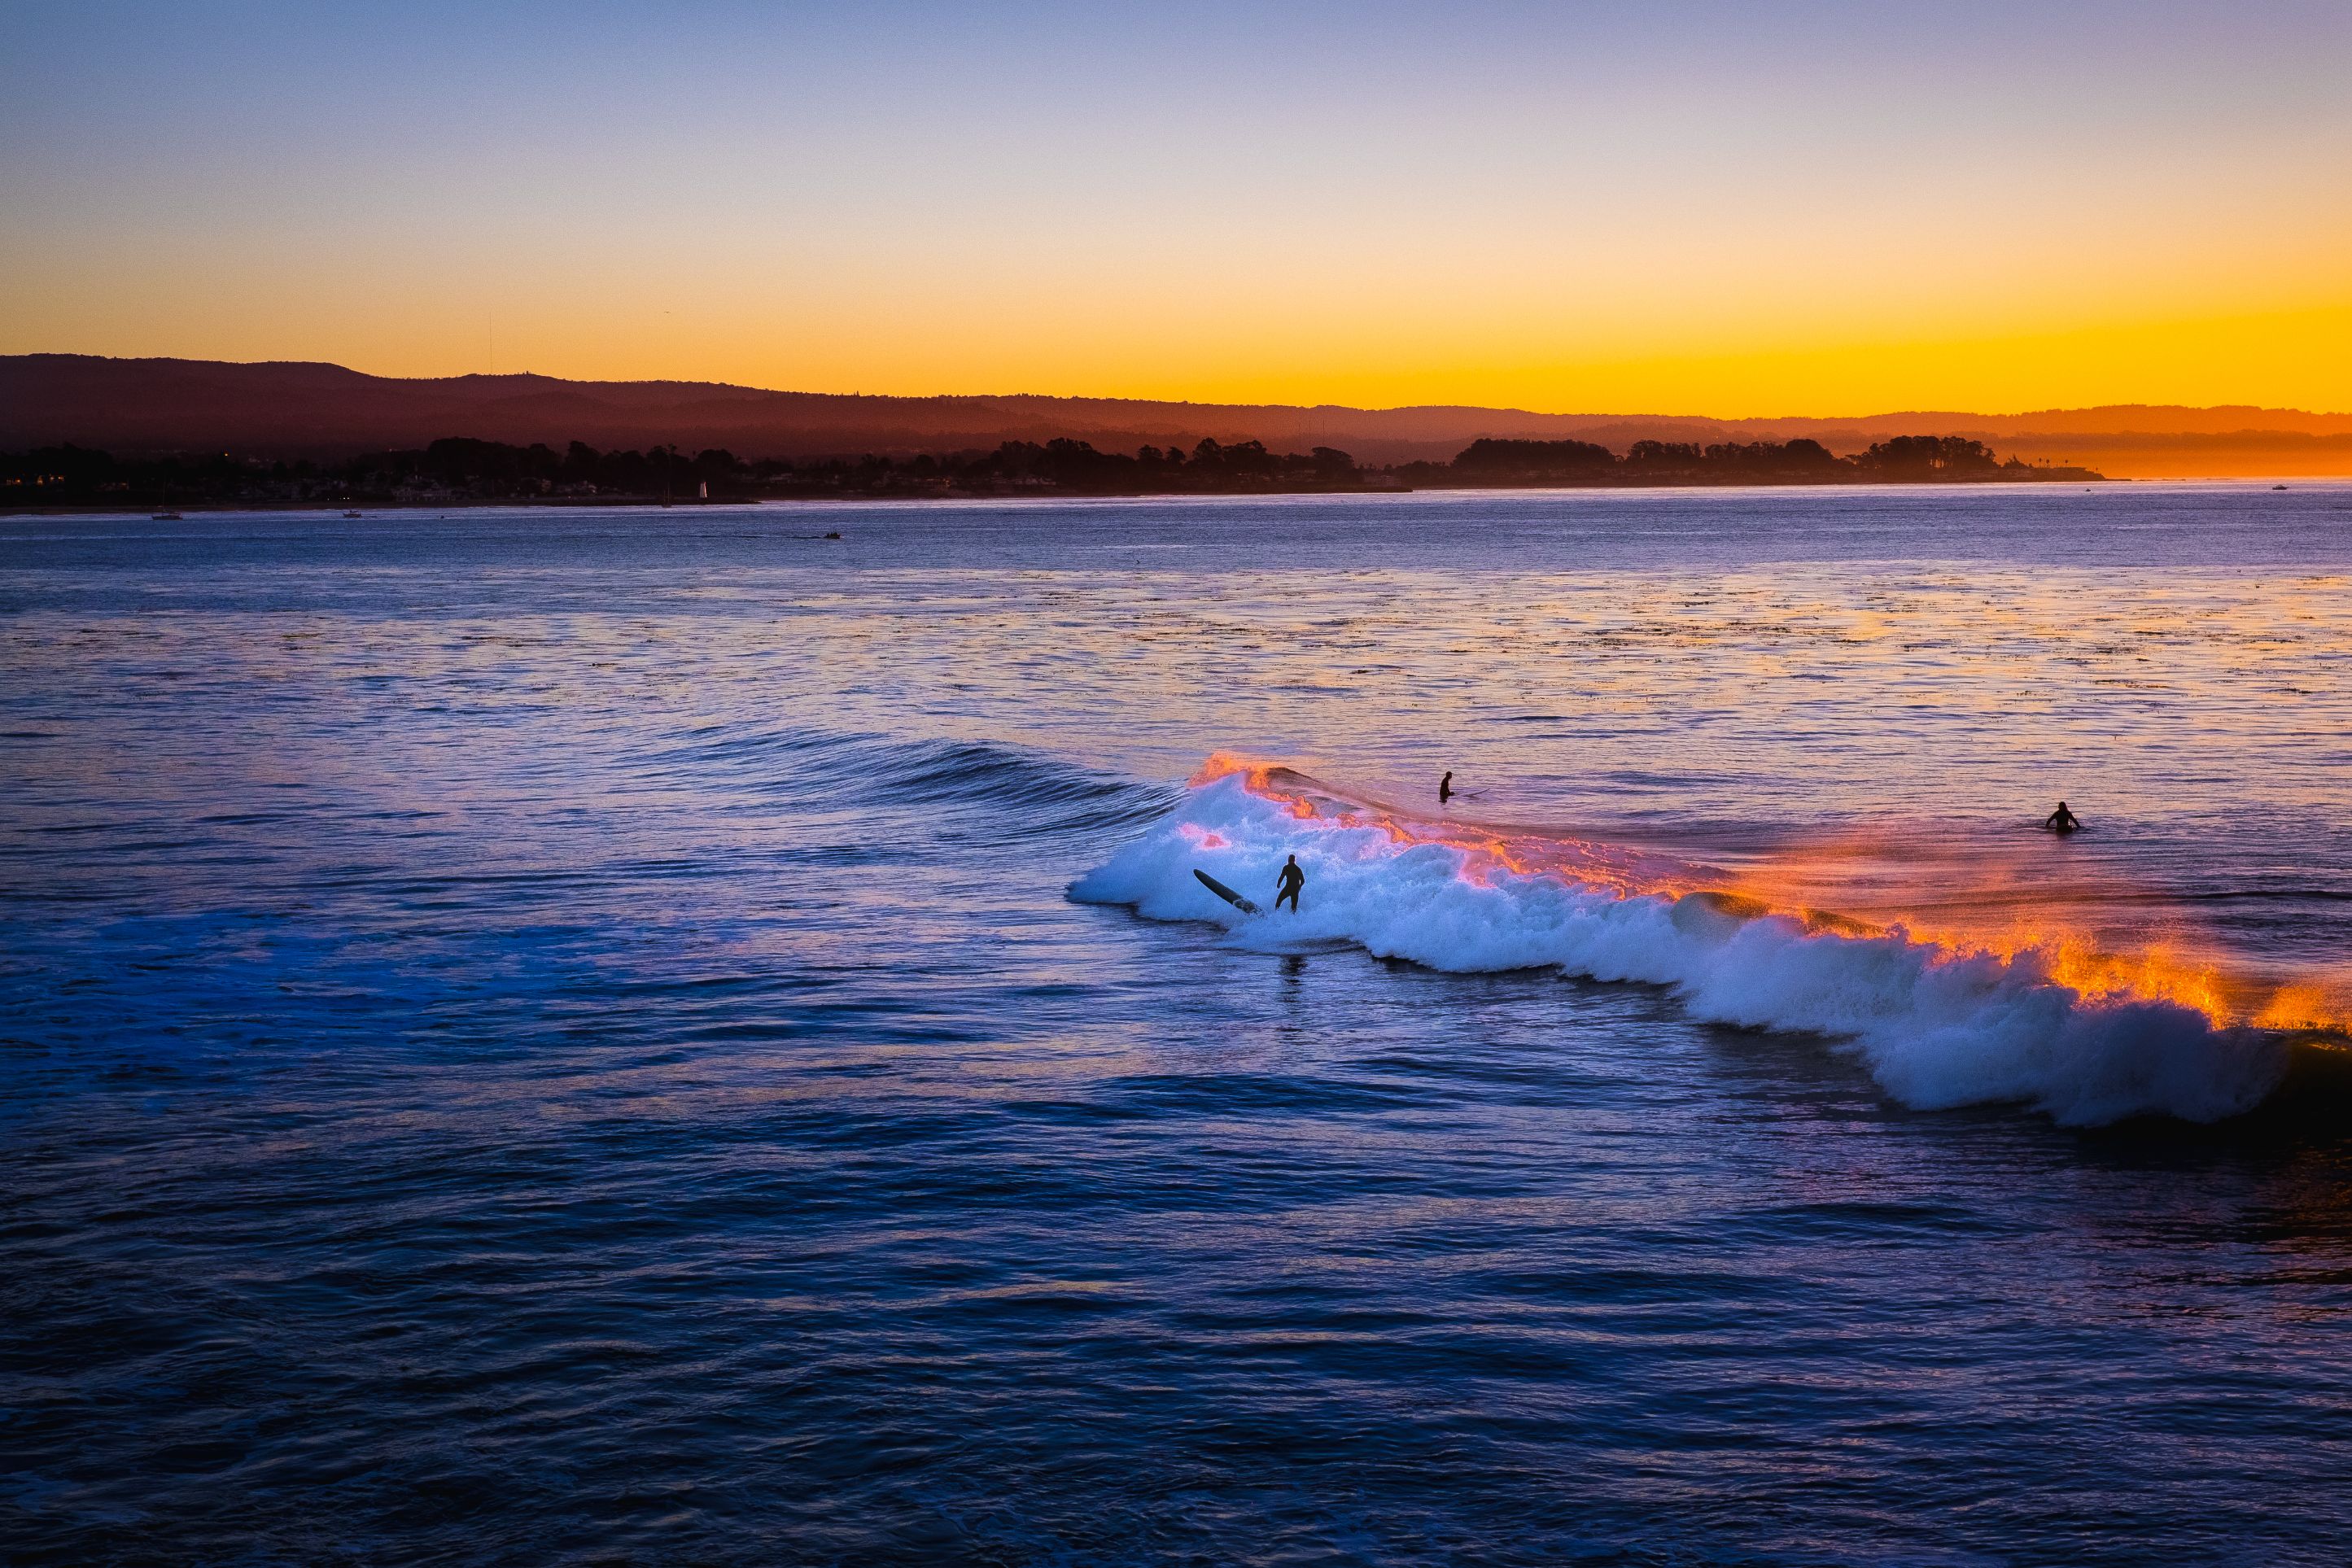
1709 208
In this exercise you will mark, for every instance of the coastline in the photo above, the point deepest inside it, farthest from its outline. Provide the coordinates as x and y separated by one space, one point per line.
968 493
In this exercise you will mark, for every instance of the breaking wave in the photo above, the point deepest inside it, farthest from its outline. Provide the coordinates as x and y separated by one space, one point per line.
1941 1022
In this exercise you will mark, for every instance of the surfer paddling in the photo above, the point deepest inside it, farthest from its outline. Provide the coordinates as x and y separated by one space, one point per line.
1286 884
1446 792
2062 821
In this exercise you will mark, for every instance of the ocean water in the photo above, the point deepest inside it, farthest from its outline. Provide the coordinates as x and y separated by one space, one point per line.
624 1037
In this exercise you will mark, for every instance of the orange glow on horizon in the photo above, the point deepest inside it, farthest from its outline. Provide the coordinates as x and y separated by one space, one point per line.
1539 362
1727 211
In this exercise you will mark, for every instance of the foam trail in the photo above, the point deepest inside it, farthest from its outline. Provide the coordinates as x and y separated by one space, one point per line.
1938 1025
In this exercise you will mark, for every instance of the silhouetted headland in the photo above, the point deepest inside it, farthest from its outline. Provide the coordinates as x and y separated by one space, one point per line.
460 470
327 414
1904 460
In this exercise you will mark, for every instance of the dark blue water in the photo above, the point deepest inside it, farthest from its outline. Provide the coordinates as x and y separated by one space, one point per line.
561 1038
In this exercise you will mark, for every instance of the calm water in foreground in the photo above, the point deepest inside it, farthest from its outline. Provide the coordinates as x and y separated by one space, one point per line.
561 1037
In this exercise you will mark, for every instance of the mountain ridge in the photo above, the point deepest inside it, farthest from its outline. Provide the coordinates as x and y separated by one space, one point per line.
319 409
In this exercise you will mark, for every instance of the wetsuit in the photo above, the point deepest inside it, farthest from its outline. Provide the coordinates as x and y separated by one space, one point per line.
1286 886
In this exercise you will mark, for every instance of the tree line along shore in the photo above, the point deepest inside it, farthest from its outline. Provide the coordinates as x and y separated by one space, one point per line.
460 470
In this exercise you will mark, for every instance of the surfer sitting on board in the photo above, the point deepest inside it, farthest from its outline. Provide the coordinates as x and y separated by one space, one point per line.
1445 788
1286 884
2062 821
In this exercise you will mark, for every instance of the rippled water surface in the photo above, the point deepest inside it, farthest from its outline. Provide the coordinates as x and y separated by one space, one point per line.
563 1037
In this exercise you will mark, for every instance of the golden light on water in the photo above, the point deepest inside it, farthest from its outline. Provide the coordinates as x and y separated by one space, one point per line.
2085 930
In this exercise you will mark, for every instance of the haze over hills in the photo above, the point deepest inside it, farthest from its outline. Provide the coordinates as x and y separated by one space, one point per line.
321 410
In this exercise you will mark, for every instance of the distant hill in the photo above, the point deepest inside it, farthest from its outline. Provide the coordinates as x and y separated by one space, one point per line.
323 412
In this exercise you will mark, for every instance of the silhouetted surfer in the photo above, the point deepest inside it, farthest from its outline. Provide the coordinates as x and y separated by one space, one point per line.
2062 821
1445 788
1286 884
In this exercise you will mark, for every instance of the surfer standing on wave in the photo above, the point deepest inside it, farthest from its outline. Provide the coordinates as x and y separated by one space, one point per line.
1286 884
2062 821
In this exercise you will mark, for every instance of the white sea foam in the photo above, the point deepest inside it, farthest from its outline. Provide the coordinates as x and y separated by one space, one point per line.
1935 1026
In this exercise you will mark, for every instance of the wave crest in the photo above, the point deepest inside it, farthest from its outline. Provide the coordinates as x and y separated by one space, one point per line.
1939 1023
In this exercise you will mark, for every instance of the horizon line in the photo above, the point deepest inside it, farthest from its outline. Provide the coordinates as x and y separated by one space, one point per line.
1178 402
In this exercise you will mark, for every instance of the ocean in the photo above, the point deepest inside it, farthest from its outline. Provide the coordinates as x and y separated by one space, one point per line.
597 1036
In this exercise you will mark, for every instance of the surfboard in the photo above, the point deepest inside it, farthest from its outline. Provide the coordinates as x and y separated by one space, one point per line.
1227 893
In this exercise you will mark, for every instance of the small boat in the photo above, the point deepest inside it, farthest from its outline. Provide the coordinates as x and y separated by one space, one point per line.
167 517
350 514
